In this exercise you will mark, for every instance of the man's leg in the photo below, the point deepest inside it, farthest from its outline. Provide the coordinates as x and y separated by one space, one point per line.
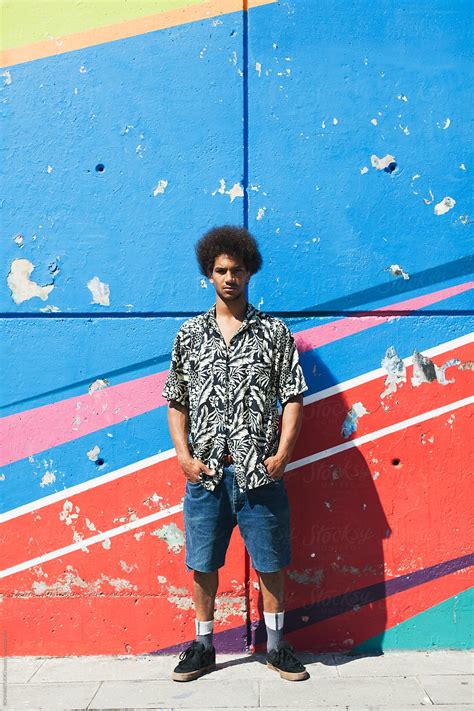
272 587
205 590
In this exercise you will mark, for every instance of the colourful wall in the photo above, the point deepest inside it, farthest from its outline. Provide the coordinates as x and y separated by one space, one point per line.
340 134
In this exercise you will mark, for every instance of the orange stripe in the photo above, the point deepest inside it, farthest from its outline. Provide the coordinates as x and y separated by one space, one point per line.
131 28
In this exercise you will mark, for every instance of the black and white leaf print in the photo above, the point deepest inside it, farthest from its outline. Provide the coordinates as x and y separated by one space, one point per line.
232 393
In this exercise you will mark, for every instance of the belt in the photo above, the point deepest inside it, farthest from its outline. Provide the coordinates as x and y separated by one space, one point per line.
228 459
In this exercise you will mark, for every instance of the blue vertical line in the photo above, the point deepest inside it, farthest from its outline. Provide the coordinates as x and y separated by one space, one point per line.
245 107
245 182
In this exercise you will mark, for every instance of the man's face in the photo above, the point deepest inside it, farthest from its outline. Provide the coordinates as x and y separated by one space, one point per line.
230 277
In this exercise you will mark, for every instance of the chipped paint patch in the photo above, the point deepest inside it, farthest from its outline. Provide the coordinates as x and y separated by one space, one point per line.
50 309
349 426
235 192
446 124
180 598
49 477
21 286
230 607
307 576
93 453
364 170
397 270
100 292
160 188
382 163
258 68
446 204
261 213
425 371
374 121
98 384
396 371
66 514
7 78
172 535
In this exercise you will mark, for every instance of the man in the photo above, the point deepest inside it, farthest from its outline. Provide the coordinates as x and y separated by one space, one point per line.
229 366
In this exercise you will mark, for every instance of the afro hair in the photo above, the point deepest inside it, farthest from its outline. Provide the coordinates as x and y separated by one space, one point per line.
236 242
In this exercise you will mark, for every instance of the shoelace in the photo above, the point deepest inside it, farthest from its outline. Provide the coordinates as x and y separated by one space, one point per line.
288 651
187 653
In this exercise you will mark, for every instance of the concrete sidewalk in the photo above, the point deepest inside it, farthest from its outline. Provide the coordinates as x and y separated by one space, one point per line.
395 681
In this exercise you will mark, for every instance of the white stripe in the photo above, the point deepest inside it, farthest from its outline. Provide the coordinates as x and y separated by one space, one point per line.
87 485
168 454
90 541
377 434
294 465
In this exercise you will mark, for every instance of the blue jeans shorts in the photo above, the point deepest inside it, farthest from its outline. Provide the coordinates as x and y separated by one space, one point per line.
262 514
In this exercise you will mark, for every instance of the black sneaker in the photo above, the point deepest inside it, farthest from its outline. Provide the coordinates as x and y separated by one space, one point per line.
195 661
283 660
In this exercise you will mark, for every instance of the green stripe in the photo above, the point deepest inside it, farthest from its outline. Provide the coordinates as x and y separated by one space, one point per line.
26 21
448 625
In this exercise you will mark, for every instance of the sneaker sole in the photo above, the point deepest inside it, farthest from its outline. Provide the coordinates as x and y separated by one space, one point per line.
289 676
190 676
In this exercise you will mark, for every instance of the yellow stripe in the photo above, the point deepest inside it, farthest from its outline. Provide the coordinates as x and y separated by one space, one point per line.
122 30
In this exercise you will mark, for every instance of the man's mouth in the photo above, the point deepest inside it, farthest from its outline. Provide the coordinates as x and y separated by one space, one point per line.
230 288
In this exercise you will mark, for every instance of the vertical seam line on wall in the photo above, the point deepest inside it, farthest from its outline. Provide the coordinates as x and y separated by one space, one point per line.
245 110
245 181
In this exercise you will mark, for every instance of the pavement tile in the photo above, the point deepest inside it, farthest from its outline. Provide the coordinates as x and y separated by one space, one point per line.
448 689
19 670
171 694
405 664
374 691
50 696
103 668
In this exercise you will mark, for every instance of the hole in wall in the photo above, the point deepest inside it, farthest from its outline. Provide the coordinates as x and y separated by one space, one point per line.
100 167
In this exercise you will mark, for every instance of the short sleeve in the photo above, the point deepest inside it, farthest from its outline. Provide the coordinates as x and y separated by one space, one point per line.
176 384
291 380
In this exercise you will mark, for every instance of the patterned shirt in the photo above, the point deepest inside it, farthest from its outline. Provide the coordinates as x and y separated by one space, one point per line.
231 393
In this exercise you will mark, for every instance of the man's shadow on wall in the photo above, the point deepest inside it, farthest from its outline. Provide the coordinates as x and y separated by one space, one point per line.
334 586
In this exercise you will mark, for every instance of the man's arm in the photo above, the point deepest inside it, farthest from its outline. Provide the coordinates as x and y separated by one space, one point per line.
292 417
178 423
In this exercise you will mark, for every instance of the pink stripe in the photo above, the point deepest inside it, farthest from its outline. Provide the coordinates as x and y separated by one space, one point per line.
35 430
335 330
41 428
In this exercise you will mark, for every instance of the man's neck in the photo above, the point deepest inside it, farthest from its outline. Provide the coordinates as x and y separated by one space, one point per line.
231 310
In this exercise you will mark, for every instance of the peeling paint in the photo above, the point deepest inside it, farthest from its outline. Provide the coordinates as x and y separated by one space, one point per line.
397 270
307 576
396 371
8 78
93 453
350 423
364 170
258 68
446 204
235 192
261 213
66 514
384 163
21 286
98 384
48 478
20 240
172 535
160 188
425 371
100 292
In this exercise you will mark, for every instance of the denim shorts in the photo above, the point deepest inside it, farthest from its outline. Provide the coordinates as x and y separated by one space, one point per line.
263 516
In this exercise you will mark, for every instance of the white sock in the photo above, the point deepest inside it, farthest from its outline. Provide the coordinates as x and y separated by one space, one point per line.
274 624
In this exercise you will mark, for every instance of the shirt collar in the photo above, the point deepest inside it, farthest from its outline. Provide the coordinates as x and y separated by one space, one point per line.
250 316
